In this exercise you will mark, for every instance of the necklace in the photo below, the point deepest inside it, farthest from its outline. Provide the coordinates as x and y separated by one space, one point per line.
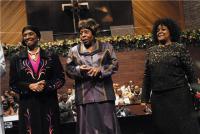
33 55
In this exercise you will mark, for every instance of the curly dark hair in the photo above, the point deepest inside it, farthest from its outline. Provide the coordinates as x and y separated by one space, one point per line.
174 29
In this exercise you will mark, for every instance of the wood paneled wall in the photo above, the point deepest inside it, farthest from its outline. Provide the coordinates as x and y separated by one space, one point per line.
145 12
13 19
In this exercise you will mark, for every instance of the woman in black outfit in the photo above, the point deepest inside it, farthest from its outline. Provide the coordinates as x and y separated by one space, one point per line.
168 74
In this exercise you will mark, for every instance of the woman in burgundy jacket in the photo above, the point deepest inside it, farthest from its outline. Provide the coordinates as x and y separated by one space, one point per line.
36 74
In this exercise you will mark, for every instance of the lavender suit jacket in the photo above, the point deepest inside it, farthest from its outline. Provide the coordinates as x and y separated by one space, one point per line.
92 89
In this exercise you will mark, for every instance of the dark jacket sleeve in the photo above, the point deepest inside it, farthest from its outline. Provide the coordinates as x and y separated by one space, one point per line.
18 86
187 64
58 78
146 89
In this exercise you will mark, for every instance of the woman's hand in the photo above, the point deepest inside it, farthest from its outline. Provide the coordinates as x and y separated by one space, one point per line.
38 86
94 71
91 71
84 68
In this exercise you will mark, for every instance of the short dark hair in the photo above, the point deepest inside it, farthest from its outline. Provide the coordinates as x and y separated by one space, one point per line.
32 28
90 24
174 29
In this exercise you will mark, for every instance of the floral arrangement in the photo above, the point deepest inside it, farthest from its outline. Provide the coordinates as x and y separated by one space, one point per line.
120 43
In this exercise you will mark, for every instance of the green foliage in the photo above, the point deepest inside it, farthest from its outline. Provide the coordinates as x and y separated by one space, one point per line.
120 43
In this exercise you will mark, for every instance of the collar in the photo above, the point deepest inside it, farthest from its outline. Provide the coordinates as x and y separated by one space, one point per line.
83 50
24 53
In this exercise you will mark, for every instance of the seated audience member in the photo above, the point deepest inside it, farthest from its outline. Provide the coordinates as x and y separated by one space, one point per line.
59 97
66 114
71 95
137 94
13 104
125 94
122 111
6 94
115 87
130 85
7 109
14 95
119 97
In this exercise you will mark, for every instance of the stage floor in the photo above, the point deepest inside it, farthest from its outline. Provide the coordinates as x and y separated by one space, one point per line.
138 124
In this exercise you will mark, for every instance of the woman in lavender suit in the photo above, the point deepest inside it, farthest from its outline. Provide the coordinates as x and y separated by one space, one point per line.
91 64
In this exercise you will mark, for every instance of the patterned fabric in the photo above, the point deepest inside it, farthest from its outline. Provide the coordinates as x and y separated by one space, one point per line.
167 67
38 111
35 63
168 72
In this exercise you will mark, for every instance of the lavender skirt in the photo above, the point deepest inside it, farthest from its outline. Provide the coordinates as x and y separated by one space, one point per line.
97 118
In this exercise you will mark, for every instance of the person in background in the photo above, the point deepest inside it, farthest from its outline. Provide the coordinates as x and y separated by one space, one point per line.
119 97
2 62
71 95
14 105
168 73
136 95
66 114
7 108
2 72
33 77
91 64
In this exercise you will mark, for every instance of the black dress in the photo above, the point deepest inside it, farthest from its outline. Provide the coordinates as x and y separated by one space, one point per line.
167 76
38 111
